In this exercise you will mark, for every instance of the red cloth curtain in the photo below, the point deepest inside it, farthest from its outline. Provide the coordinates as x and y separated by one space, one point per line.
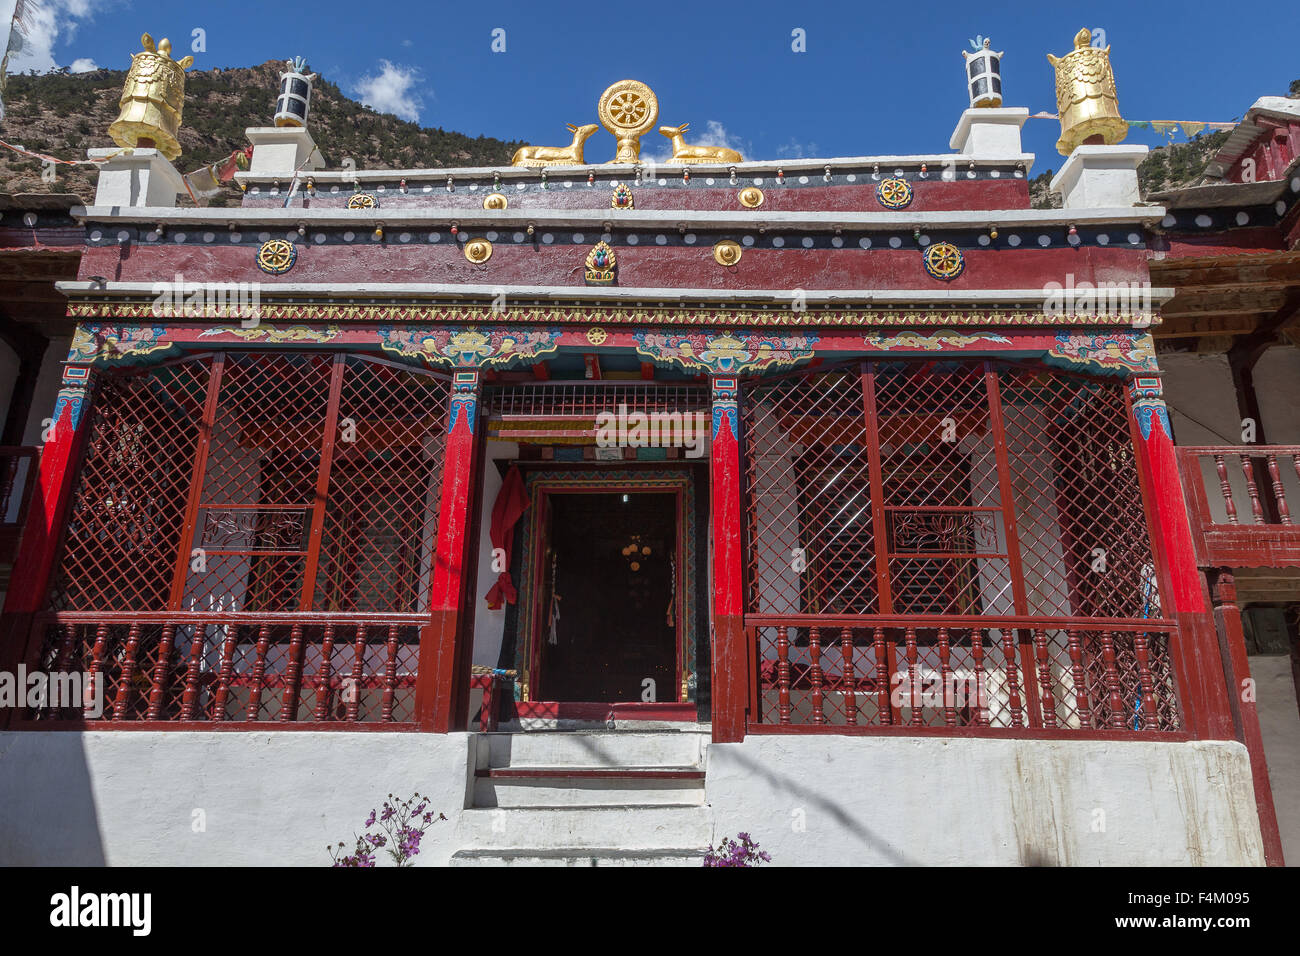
509 507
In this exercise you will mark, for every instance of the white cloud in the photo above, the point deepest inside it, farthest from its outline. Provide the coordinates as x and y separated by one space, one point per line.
50 23
391 91
83 64
796 150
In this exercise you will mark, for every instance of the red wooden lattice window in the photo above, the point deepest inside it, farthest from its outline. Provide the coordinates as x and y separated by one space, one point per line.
252 538
919 526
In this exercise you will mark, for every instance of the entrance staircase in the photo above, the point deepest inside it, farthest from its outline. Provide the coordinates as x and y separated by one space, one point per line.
587 798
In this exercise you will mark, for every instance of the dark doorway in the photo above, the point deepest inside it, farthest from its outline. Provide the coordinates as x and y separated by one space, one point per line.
611 562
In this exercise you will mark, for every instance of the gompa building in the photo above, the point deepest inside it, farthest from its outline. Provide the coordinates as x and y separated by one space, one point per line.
621 504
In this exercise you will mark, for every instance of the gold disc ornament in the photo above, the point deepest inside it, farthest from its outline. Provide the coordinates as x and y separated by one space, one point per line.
628 109
727 252
478 250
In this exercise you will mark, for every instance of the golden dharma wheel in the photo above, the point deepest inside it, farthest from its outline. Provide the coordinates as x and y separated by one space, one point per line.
478 250
628 110
727 252
362 201
276 256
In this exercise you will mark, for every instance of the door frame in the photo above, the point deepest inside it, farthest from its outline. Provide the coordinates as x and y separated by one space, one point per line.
540 486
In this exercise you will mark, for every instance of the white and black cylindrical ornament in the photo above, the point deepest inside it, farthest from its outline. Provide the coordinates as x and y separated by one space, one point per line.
983 74
295 94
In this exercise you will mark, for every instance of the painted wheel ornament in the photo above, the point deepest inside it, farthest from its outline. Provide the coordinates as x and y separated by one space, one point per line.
894 193
363 201
944 261
276 256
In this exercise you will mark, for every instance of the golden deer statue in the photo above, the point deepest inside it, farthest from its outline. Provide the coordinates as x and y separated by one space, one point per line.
570 155
684 153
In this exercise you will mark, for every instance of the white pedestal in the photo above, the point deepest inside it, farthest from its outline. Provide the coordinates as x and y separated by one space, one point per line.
989 133
281 150
142 177
1097 177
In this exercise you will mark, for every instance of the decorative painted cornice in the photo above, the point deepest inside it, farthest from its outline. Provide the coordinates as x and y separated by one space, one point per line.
595 314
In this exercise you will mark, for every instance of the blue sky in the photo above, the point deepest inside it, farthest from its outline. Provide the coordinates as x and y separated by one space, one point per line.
875 78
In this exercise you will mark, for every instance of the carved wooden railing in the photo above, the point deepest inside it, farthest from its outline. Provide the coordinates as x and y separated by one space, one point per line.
200 671
969 675
1244 504
17 479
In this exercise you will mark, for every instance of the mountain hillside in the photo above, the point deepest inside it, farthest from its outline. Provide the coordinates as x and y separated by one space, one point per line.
65 114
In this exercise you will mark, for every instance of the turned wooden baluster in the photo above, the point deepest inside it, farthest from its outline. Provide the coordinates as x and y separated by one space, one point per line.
259 673
64 657
7 486
850 692
127 676
358 672
1080 678
909 638
1112 681
1225 489
815 656
1256 507
61 660
324 692
1142 651
95 677
977 656
226 672
190 697
783 675
390 675
1279 493
160 669
883 708
1013 677
292 676
1045 678
945 678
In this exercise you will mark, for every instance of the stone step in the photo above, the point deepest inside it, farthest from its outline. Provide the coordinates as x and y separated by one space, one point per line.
588 786
593 749
626 827
579 856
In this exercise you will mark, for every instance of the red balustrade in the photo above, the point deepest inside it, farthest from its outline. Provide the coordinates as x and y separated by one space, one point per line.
1241 500
1066 677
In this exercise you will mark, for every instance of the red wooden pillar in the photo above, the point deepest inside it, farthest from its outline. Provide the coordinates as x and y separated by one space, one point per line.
1228 616
1198 664
730 656
55 480
437 686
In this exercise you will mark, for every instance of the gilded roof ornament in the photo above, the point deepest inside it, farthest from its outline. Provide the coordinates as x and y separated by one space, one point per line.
1085 96
149 112
628 109
685 153
570 155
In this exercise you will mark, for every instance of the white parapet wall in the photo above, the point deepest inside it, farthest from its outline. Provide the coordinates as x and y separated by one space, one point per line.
880 801
145 798
279 798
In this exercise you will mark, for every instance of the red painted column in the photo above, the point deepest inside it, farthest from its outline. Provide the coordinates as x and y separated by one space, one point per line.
1198 663
1228 617
441 654
730 657
55 480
